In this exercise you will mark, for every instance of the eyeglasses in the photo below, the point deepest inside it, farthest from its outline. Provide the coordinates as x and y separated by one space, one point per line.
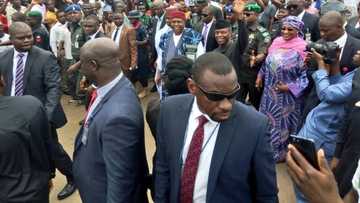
291 7
214 96
248 14
204 15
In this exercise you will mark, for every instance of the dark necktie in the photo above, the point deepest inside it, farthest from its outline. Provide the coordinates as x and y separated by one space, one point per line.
19 76
192 163
92 100
116 33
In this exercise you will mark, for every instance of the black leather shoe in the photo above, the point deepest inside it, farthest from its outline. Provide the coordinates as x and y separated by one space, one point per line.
66 191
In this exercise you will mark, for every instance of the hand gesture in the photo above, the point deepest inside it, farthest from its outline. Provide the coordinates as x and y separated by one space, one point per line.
258 83
238 6
282 87
318 186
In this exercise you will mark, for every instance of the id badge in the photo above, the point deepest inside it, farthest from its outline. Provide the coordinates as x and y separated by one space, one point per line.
76 44
84 135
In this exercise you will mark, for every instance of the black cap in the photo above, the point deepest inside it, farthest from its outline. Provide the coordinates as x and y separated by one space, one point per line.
221 24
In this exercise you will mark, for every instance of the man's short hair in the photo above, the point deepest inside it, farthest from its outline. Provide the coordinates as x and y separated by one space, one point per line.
178 70
215 62
18 17
93 17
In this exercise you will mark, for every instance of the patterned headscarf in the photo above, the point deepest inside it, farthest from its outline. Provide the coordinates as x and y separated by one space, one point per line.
293 22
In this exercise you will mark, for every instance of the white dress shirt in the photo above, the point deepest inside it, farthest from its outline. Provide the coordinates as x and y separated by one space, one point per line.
117 38
211 129
159 22
93 35
15 60
301 15
341 43
60 33
101 92
208 30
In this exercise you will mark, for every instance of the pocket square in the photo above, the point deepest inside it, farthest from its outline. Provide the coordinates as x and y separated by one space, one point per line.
357 104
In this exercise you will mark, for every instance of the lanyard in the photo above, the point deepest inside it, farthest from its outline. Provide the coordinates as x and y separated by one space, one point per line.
206 143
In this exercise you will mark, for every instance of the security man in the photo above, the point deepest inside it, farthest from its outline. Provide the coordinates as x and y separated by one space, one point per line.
259 40
78 38
40 34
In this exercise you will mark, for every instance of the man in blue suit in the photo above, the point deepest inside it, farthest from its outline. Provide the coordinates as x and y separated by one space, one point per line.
109 158
211 148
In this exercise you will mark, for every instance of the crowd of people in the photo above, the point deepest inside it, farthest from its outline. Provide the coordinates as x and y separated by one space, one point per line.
230 82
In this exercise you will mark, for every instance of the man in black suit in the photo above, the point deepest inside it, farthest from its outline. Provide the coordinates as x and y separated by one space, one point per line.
29 70
91 27
311 22
25 145
207 28
353 25
331 30
347 152
211 148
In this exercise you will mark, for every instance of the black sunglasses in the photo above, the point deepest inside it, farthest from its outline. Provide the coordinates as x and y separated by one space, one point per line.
214 96
247 14
204 15
290 7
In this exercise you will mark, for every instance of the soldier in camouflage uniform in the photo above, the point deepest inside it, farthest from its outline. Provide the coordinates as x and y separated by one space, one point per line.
73 13
259 40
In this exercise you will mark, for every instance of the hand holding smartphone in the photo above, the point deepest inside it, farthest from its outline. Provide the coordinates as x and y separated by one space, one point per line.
307 148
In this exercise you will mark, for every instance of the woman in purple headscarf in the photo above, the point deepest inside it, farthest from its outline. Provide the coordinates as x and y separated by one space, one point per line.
284 77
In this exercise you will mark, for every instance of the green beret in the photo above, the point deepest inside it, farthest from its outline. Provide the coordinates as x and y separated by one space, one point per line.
253 7
34 14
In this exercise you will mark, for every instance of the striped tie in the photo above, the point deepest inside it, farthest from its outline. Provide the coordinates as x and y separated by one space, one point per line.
19 78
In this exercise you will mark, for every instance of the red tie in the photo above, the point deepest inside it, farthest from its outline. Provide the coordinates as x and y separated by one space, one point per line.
92 100
192 163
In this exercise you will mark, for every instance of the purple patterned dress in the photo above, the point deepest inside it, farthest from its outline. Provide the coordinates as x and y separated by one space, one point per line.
283 108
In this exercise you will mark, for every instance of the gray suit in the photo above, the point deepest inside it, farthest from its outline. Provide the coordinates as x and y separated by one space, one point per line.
111 165
41 80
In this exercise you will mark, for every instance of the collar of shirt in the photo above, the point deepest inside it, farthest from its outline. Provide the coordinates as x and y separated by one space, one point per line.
301 15
102 91
357 25
177 38
341 40
16 53
210 23
195 111
93 35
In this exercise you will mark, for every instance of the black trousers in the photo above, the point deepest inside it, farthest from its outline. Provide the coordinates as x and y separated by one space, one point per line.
254 94
61 160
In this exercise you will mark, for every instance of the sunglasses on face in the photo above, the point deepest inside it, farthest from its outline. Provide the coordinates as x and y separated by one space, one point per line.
292 7
248 14
214 96
204 15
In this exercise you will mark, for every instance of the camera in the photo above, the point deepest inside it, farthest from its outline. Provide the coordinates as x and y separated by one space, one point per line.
327 49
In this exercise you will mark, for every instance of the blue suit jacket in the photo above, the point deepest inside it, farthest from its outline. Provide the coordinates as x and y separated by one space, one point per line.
242 167
112 166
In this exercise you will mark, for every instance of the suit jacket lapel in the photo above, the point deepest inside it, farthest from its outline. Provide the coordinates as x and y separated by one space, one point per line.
29 61
223 141
181 128
347 49
9 71
97 109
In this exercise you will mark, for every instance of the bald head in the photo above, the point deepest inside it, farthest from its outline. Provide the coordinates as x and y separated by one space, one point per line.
16 27
331 26
103 50
332 18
